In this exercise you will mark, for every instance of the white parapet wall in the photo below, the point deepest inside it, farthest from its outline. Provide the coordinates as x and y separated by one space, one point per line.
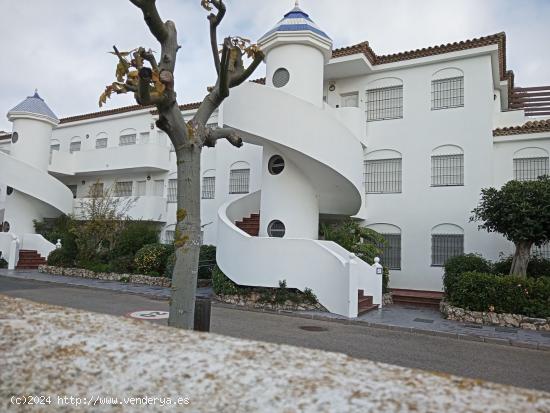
100 357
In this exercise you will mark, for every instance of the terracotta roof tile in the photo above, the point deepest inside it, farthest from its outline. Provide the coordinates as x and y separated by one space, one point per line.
534 126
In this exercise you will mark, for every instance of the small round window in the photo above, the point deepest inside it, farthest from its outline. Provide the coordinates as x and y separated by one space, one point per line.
5 227
276 165
276 229
281 77
9 190
14 137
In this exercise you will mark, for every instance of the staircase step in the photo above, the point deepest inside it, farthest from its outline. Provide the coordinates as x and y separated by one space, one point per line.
365 301
367 309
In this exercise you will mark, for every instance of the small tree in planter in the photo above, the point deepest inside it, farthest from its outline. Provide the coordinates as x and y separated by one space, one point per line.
521 212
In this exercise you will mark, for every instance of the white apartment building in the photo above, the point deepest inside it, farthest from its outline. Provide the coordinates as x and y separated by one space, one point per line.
403 142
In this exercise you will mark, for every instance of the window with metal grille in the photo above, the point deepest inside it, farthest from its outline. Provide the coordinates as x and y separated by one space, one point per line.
448 93
101 143
158 188
208 187
445 246
73 189
276 229
172 190
169 236
75 146
383 176
542 251
529 169
448 170
281 77
239 180
123 188
385 103
141 188
54 147
350 100
391 251
126 140
96 190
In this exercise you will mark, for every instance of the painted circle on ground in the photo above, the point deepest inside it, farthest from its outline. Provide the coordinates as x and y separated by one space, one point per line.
149 315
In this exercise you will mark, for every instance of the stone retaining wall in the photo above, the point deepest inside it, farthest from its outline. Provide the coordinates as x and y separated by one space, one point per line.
497 319
387 299
252 300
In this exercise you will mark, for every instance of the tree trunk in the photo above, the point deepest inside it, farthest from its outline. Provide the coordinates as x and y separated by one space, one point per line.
521 258
188 238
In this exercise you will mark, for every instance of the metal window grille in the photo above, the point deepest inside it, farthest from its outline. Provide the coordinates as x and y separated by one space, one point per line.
213 125
126 140
543 250
75 146
281 77
391 251
101 143
383 176
448 93
158 189
529 169
141 188
123 188
239 180
448 170
445 246
350 100
73 189
172 190
385 103
169 236
208 187
96 190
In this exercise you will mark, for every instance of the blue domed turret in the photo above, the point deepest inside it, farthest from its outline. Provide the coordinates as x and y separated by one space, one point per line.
33 106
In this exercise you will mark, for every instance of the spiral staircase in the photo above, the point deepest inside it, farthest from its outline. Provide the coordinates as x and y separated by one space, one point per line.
330 156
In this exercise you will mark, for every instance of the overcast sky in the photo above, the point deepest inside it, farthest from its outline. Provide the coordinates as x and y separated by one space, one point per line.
60 46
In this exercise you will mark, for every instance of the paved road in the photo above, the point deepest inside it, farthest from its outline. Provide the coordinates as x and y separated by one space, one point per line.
502 364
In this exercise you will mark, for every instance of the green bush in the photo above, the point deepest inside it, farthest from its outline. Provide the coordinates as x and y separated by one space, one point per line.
456 266
60 228
151 259
489 292
170 263
538 266
133 237
94 266
123 264
207 261
60 258
3 263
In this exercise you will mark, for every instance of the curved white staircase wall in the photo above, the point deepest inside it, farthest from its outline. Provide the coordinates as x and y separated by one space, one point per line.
36 242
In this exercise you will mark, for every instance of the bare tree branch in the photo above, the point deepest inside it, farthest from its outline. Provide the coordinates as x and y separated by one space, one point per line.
236 81
214 135
150 57
215 20
152 18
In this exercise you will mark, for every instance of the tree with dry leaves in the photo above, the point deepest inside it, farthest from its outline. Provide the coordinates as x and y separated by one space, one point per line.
152 83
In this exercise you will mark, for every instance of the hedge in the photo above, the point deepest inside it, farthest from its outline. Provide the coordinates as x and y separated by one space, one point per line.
456 266
489 292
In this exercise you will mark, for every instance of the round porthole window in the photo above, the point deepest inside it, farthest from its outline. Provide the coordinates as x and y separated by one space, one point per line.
6 226
14 137
276 229
276 165
9 190
281 77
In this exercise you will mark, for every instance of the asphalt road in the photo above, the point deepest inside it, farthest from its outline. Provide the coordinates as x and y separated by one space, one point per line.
501 364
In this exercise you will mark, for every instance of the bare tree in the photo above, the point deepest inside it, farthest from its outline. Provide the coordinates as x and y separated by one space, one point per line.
152 83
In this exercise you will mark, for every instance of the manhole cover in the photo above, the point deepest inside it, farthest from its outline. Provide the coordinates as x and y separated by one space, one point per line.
313 328
423 320
149 314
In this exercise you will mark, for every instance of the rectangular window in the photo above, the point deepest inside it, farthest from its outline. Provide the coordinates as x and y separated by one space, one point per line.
123 188
208 187
385 103
126 140
172 190
383 176
542 251
391 252
448 93
96 190
158 188
448 170
445 246
73 189
141 188
54 147
239 180
169 236
101 143
144 137
75 146
350 100
529 169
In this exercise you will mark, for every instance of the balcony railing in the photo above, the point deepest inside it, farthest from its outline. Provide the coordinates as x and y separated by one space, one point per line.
535 101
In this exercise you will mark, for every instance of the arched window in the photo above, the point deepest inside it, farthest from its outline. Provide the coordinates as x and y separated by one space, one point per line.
127 137
447 88
209 184
239 178
530 163
391 250
101 140
75 145
384 99
383 172
447 242
448 166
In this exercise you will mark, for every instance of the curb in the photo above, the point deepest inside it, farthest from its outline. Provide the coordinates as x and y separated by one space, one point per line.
412 330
